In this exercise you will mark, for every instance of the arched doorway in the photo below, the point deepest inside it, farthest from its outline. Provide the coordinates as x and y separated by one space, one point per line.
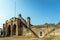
9 31
20 29
14 29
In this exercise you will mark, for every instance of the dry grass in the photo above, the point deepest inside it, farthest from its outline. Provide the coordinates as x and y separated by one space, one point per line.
29 38
19 38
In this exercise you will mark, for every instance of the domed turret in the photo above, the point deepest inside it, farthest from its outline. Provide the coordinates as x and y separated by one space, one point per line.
28 18
19 16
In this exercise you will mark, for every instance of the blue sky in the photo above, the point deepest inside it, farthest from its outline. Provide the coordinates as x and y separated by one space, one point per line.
40 11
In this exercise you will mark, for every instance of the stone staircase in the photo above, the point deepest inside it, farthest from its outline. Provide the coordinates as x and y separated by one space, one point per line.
24 23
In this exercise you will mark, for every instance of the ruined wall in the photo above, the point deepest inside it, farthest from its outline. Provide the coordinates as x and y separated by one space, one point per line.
20 27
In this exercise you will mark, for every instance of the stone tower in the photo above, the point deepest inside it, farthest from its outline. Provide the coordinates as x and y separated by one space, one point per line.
28 21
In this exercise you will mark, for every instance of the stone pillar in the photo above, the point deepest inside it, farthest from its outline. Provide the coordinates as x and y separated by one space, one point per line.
16 27
11 27
6 28
6 32
11 32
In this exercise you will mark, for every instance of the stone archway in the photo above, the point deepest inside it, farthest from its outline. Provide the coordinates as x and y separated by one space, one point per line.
20 29
14 29
8 30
